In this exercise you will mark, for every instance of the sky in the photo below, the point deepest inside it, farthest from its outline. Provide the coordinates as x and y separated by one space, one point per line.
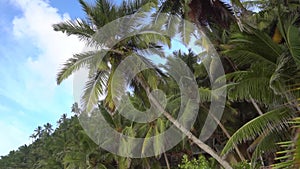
31 54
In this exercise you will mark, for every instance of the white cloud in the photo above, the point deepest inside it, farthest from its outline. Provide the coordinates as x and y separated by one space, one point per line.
31 82
35 25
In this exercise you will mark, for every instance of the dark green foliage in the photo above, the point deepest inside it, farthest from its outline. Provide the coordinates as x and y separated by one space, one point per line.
200 163
67 147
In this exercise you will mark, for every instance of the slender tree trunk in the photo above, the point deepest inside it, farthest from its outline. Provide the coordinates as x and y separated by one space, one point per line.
256 106
228 136
167 161
198 142
186 132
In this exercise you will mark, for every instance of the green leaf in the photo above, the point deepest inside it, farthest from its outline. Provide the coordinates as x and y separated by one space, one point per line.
158 143
186 29
147 144
93 90
293 35
273 120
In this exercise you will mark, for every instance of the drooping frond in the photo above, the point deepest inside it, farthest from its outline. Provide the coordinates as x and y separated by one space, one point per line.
254 47
269 143
274 120
75 63
291 37
146 40
79 61
186 30
289 155
94 88
208 95
252 84
175 7
285 156
173 25
78 27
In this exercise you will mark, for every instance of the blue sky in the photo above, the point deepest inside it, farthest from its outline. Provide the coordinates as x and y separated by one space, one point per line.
31 53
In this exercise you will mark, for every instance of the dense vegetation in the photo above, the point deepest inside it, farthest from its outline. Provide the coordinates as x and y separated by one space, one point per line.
260 53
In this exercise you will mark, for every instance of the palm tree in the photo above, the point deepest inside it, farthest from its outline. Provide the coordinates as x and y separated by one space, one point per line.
101 76
267 74
48 128
38 132
62 119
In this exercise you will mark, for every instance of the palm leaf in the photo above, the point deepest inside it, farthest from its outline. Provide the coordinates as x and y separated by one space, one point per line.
251 84
147 141
93 90
186 29
289 155
274 120
254 47
78 27
293 40
79 61
269 143
75 63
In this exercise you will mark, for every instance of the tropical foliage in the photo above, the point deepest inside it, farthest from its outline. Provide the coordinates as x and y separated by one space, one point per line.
259 46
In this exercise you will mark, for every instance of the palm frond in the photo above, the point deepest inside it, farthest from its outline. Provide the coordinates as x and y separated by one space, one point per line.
289 155
186 29
146 39
100 13
253 47
269 143
87 9
208 95
286 155
94 88
75 63
77 27
293 42
252 84
274 120
78 61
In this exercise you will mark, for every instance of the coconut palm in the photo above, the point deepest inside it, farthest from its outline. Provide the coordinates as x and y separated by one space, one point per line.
101 72
38 132
48 128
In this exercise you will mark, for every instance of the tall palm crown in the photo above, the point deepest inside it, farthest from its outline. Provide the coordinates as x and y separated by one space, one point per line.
98 16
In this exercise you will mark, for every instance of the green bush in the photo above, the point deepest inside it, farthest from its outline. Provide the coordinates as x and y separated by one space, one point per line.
200 163
242 165
203 163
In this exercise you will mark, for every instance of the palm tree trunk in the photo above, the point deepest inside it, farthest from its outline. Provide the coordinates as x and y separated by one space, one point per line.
186 132
228 136
167 161
256 106
198 142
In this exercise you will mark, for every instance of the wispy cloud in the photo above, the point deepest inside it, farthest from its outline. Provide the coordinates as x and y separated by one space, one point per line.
29 62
